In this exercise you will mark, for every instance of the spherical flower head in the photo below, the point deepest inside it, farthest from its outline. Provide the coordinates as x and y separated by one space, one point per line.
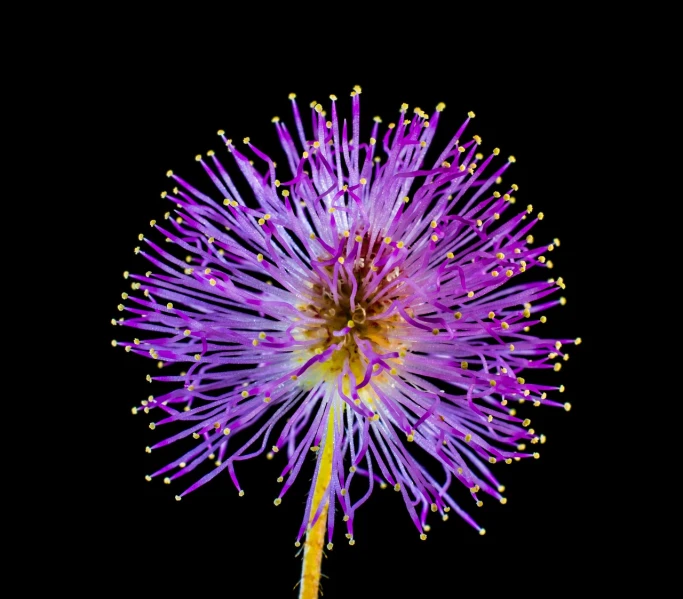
359 302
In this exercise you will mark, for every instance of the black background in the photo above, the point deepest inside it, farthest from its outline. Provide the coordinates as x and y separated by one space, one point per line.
161 108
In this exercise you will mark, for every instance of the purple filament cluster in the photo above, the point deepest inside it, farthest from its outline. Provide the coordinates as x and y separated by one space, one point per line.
367 299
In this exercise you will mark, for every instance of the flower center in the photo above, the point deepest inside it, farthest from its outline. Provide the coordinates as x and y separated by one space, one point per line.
350 323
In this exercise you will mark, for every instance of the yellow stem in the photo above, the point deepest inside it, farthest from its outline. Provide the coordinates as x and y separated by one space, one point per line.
315 535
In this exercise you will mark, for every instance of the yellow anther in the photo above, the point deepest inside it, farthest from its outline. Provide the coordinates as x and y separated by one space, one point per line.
435 238
458 315
259 257
492 383
433 224
340 260
543 319
505 325
471 114
387 240
468 438
464 365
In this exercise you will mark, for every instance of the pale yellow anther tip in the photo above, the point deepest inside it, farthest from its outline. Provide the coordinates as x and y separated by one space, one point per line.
482 531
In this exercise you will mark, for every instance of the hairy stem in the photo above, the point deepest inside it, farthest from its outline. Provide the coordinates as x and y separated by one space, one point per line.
315 536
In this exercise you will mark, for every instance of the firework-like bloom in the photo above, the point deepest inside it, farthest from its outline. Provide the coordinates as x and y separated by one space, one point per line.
357 303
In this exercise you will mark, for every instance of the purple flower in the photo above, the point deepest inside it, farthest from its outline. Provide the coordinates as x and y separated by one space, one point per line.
360 303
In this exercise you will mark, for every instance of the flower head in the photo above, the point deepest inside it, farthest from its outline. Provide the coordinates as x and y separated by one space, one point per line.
358 302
